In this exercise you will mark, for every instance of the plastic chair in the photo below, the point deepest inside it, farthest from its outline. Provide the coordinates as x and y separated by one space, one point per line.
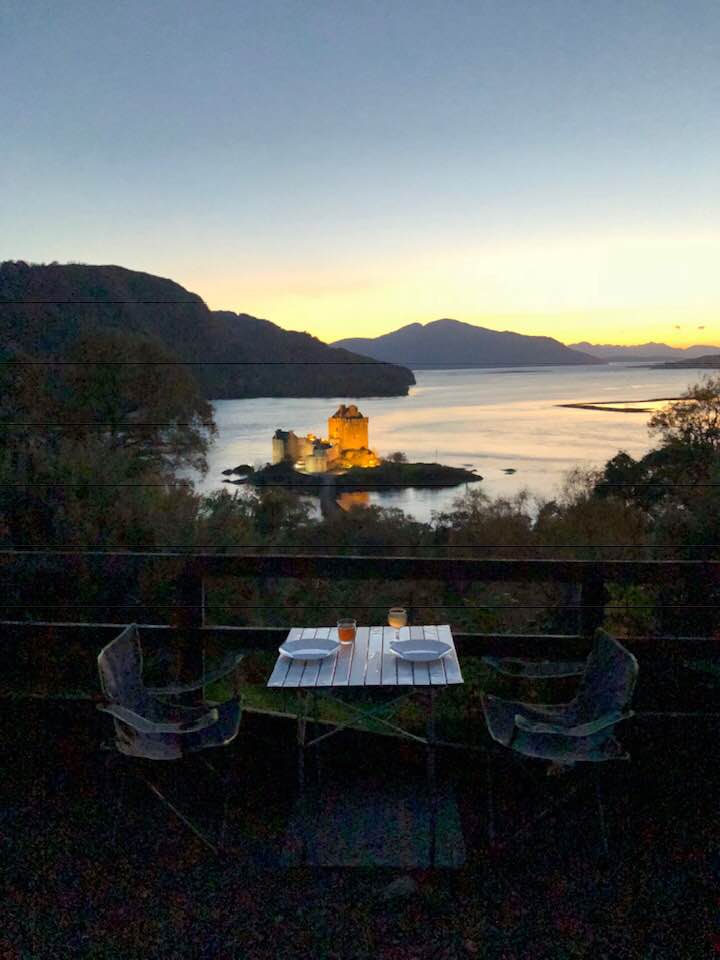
150 726
582 730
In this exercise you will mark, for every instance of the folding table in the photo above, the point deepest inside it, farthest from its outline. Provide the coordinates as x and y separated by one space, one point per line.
366 663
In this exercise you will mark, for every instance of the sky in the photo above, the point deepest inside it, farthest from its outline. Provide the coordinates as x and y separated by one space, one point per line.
346 167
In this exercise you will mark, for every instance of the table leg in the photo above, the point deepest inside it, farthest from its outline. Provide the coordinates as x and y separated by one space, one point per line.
302 703
431 775
301 736
316 731
490 800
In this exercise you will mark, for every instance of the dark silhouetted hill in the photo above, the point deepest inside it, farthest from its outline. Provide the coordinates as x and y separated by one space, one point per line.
43 308
450 343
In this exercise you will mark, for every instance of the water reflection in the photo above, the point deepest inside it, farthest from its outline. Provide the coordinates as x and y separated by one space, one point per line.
353 498
459 416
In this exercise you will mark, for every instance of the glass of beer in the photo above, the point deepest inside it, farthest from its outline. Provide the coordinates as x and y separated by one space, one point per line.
397 617
346 630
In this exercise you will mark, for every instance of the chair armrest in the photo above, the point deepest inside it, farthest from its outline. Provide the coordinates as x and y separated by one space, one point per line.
195 719
580 730
535 669
226 666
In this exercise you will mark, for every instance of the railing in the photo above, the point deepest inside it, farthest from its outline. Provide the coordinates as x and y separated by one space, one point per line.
52 659
190 571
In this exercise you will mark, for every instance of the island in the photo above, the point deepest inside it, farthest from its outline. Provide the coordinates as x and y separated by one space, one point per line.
387 474
343 461
619 406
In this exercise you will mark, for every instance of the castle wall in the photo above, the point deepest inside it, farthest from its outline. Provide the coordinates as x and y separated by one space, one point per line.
303 447
350 433
288 446
279 451
317 463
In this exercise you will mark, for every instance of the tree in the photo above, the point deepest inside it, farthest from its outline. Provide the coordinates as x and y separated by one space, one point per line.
130 393
694 420
88 449
689 452
397 457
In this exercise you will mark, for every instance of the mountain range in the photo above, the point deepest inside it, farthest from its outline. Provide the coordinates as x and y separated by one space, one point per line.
451 343
642 351
44 308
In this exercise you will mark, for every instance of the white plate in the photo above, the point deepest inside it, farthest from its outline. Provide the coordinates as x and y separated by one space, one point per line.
312 648
420 651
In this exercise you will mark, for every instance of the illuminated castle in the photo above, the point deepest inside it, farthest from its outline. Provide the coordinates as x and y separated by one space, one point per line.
346 446
348 428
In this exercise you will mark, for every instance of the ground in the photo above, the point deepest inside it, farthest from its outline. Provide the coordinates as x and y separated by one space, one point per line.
86 877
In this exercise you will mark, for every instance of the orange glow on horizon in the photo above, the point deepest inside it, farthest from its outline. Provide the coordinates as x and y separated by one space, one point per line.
617 289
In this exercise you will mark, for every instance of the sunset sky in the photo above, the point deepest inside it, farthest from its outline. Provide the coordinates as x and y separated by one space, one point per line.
349 166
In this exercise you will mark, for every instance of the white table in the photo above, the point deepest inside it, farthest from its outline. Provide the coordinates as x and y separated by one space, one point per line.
369 662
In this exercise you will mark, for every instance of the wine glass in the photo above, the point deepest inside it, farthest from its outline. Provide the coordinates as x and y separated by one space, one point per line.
397 617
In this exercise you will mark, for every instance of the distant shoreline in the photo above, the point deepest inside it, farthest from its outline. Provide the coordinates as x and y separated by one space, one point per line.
710 361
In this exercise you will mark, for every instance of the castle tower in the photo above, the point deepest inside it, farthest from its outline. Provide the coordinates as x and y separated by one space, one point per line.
348 428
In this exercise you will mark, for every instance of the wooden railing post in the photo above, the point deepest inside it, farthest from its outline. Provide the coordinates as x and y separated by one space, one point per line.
190 618
191 609
592 603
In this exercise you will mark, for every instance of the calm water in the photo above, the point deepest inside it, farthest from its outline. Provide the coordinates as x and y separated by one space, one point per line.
493 420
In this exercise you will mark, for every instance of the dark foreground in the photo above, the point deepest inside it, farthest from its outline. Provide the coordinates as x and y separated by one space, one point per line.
84 877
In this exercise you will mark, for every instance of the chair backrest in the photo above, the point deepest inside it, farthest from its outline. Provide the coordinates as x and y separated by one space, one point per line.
608 682
120 664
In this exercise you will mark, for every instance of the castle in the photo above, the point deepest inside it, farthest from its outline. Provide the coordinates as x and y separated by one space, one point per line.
346 446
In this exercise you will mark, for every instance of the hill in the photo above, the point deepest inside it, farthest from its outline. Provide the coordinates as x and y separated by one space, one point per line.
43 308
710 361
641 351
450 343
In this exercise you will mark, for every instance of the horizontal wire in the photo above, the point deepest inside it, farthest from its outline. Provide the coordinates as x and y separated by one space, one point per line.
367 606
371 361
651 483
355 487
95 423
169 483
97 303
33 548
79 483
